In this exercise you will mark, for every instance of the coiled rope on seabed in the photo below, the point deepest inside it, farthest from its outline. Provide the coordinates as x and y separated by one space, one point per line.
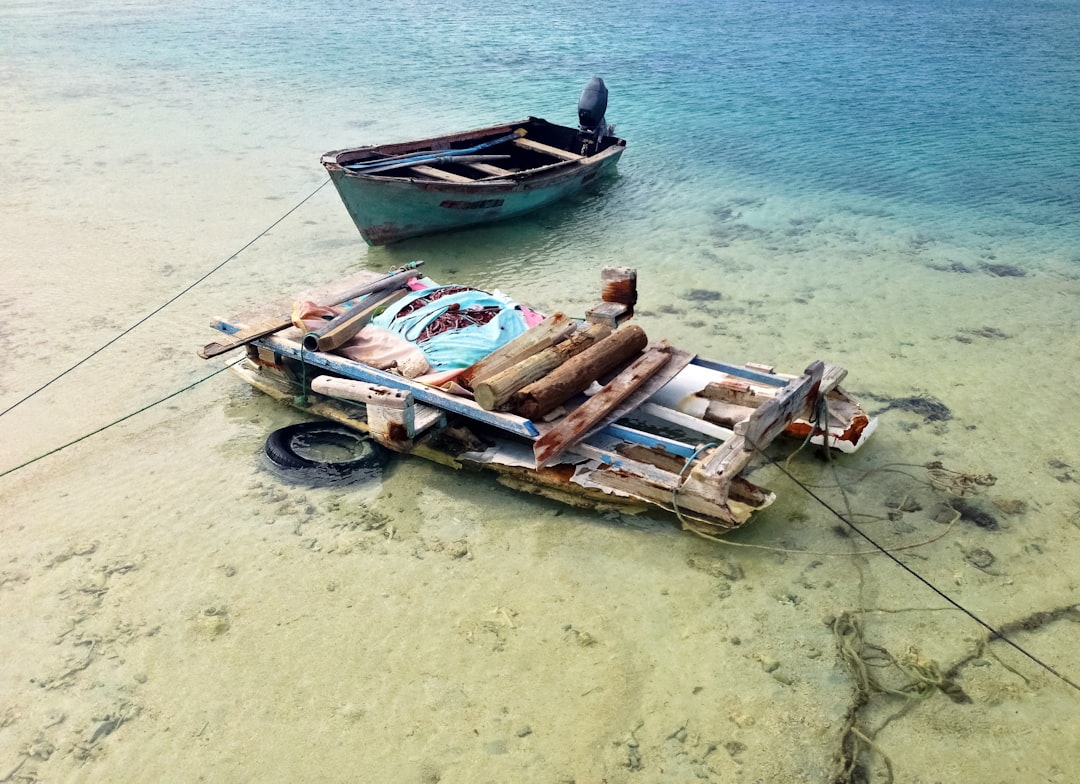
820 415
136 325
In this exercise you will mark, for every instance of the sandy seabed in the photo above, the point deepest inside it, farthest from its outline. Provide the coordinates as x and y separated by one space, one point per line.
172 612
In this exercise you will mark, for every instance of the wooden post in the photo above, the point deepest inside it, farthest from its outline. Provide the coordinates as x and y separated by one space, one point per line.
493 391
575 375
618 292
797 397
619 284
394 417
571 428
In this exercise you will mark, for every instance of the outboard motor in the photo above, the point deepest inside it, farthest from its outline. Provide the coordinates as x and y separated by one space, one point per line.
592 125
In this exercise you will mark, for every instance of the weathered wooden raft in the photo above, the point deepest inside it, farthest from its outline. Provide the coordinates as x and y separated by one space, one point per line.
531 424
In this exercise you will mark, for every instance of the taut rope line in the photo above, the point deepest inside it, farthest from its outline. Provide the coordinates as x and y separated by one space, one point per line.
164 305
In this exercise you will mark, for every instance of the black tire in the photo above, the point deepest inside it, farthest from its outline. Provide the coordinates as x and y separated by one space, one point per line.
308 452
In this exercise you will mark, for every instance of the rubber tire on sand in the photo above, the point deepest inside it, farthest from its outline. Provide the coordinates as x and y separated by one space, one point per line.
281 451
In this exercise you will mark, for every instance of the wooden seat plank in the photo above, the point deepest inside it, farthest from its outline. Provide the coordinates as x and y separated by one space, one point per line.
439 174
547 149
489 169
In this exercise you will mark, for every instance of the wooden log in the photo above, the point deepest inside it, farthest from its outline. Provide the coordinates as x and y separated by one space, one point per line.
727 414
575 375
576 424
731 391
394 417
361 392
342 329
494 391
547 333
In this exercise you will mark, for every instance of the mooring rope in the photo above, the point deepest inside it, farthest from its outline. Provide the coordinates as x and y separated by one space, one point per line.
124 418
164 305
994 632
821 415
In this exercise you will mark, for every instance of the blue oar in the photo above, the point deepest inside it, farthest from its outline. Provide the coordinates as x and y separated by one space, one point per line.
376 166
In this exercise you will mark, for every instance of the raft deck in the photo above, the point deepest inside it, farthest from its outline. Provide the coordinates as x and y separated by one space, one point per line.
677 434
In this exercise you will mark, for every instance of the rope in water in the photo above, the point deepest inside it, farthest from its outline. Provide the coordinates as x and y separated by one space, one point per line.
994 633
164 305
118 421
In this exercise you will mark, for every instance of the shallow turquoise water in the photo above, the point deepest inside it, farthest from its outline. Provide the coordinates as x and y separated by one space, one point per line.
959 118
847 176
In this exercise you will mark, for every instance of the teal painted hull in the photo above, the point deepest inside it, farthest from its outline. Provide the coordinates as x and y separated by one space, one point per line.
388 206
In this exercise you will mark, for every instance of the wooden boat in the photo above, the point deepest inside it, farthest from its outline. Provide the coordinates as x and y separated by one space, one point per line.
396 191
667 429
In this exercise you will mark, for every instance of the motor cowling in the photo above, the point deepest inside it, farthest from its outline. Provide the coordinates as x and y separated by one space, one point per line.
592 106
592 125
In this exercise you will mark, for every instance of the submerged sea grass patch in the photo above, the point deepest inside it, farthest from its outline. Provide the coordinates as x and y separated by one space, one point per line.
927 406
703 295
1003 270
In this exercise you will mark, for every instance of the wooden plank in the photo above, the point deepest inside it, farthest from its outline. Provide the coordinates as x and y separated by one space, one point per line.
728 460
678 361
661 477
535 146
490 169
439 174
650 440
610 313
545 334
269 325
757 376
665 461
768 421
687 421
717 512
575 425
492 391
831 378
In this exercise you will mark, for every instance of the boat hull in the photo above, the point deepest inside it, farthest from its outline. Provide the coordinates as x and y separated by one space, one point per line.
389 206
